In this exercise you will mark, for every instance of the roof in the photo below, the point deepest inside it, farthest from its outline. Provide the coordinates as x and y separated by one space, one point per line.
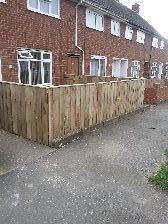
121 11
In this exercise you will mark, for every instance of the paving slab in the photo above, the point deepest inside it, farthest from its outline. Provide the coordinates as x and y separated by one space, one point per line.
99 178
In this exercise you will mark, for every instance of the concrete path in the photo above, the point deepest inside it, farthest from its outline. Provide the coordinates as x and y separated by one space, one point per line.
15 151
99 178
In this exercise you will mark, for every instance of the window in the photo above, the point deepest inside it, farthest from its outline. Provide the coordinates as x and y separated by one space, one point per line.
154 70
34 66
94 20
98 65
3 1
140 37
128 33
115 28
162 45
155 42
160 72
119 67
47 7
135 68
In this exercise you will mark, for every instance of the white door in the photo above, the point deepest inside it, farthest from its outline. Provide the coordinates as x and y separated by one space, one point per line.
124 68
116 67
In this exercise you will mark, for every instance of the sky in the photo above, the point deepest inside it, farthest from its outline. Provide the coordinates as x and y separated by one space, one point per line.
154 11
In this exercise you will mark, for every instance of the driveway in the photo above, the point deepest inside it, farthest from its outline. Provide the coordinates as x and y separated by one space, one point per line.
99 178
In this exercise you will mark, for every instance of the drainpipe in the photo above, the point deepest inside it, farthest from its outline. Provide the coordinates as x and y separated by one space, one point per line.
76 38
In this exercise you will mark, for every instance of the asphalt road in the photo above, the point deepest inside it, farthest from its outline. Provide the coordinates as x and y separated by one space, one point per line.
99 178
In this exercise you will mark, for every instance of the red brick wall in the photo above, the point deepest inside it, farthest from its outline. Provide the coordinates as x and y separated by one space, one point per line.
20 27
156 94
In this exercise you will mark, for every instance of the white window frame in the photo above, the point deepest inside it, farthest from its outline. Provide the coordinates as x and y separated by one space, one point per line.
140 37
160 73
120 60
43 13
137 64
31 59
95 26
155 42
162 45
2 1
115 25
97 57
129 32
154 65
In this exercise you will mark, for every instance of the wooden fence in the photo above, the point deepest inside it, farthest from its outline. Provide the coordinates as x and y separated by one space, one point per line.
46 114
84 79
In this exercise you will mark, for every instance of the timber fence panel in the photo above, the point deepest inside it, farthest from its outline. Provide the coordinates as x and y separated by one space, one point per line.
47 114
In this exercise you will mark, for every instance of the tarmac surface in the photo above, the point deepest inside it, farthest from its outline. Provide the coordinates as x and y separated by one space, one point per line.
99 178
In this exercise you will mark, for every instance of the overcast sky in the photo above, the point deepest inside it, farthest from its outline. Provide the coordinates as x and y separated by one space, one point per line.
154 11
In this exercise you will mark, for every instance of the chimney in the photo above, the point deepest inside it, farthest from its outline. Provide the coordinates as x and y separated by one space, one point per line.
136 8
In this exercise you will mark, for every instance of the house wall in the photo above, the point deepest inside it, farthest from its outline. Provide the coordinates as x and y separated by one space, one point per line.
106 44
20 27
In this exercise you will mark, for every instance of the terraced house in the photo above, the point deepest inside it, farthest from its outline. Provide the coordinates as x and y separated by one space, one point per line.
42 41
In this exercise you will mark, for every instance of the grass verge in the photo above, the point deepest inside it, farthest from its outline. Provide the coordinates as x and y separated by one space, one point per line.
160 178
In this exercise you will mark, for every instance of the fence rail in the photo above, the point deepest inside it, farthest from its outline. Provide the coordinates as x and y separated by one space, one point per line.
45 114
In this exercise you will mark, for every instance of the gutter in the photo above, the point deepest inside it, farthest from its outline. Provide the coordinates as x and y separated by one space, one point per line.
76 37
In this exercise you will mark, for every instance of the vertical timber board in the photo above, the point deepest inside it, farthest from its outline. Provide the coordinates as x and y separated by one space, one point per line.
67 108
78 112
114 99
45 115
50 116
4 96
8 108
82 109
13 89
73 108
87 101
62 110
33 113
99 97
108 100
102 102
91 105
28 111
18 111
56 113
23 126
105 101
39 126
1 107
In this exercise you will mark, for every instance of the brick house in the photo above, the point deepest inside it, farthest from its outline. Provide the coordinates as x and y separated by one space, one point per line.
42 41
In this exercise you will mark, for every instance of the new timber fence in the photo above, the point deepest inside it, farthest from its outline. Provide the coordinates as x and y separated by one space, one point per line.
47 114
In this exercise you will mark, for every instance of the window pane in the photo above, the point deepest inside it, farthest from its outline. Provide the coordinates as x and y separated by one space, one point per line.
35 67
33 4
36 55
54 7
102 67
46 67
99 22
94 67
91 19
46 56
24 72
44 6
